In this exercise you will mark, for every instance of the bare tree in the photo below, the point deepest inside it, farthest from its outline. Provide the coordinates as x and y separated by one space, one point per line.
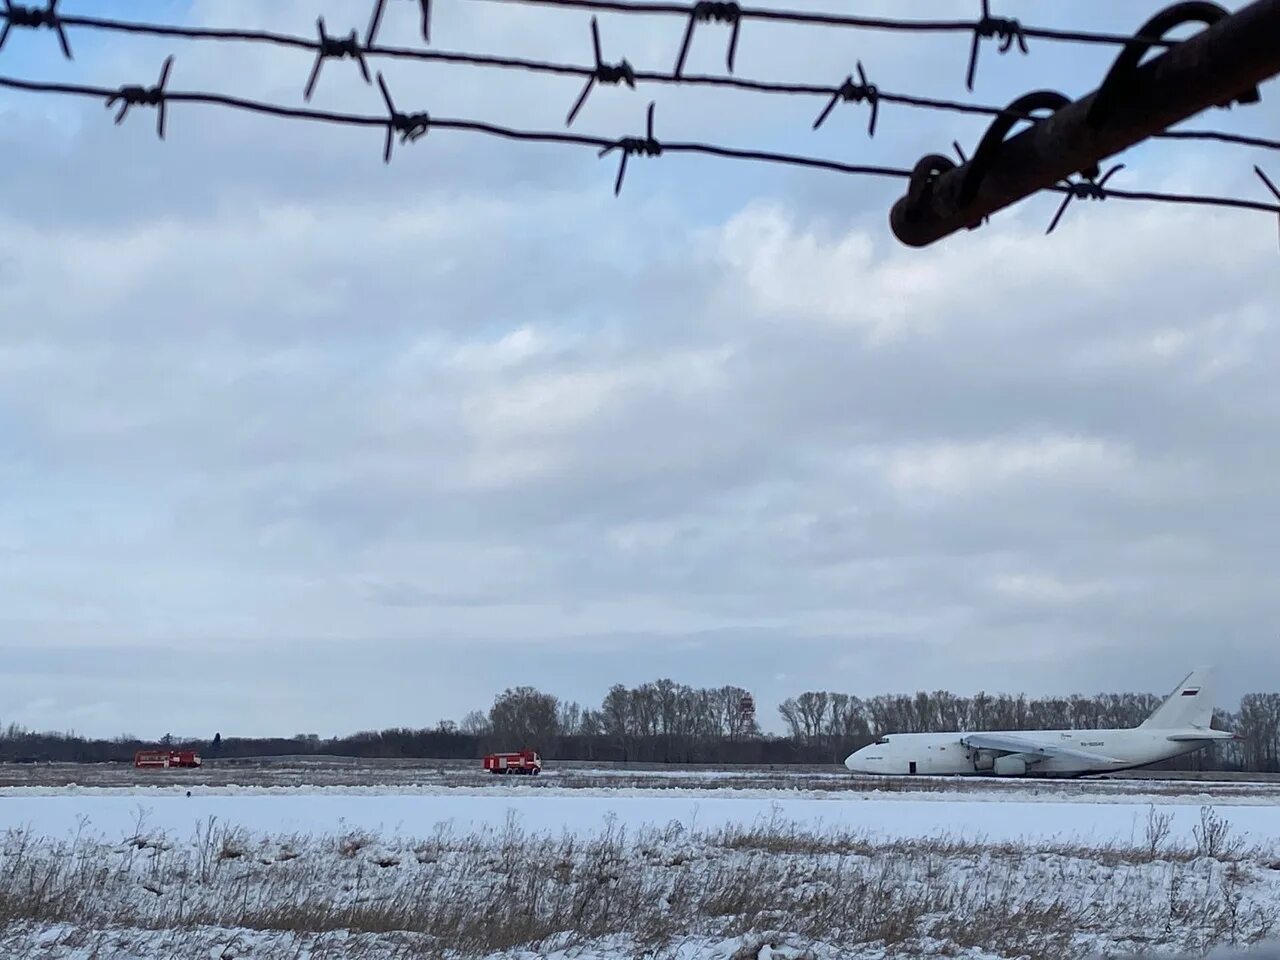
615 712
569 718
525 716
476 724
1259 724
592 724
789 710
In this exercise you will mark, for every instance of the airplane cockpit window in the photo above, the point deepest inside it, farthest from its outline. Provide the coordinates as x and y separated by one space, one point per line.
882 741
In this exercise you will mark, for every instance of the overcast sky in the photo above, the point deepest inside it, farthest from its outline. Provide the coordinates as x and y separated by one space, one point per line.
291 441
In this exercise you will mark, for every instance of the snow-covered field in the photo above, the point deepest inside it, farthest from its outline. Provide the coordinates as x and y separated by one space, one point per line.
890 816
696 870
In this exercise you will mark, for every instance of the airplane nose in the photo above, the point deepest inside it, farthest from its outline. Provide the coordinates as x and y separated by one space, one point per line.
851 762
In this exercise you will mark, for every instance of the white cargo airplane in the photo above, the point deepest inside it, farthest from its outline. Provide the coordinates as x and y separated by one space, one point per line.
1179 725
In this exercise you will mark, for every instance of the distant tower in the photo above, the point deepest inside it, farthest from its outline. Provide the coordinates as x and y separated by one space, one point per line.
746 713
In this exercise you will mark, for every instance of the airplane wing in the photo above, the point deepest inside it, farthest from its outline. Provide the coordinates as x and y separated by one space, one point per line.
1015 744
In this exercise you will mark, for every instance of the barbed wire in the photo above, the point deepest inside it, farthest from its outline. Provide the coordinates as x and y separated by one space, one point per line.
601 72
1009 31
900 25
395 121
413 126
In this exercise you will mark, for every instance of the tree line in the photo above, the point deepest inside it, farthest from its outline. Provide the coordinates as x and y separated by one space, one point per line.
668 722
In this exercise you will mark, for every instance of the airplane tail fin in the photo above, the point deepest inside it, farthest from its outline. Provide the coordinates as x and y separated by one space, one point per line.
1190 704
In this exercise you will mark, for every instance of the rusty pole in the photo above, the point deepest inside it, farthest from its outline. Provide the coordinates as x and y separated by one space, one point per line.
1216 66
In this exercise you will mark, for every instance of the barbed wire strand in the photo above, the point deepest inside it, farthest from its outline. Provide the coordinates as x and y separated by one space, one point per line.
700 9
601 72
412 126
799 17
472 126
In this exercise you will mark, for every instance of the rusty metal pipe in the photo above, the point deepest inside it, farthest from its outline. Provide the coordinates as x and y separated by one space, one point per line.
1217 65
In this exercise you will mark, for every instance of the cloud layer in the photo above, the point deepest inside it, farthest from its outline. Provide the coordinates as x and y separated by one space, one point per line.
330 446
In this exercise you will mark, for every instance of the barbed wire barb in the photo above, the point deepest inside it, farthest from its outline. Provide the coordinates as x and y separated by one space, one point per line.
336 48
851 92
375 21
705 11
130 96
410 126
16 15
1084 189
613 73
1275 191
1006 29
648 146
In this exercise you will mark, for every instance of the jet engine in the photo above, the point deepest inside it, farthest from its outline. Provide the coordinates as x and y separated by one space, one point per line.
1013 766
983 760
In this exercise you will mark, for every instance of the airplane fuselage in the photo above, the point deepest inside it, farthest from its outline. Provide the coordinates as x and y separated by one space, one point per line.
944 754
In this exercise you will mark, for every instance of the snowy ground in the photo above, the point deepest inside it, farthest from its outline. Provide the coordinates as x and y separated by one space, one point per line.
703 869
891 816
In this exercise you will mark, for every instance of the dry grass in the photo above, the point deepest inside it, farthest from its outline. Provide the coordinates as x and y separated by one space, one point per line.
647 892
1213 839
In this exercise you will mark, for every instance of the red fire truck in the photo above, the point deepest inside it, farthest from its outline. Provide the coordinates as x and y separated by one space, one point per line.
164 759
526 761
